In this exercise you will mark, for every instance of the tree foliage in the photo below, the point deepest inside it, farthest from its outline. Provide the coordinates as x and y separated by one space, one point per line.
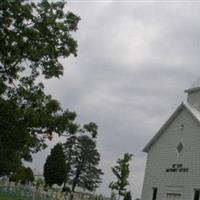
121 171
55 166
70 153
86 174
24 175
33 38
128 196
82 160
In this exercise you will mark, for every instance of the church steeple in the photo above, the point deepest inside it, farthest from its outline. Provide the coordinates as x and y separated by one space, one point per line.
194 95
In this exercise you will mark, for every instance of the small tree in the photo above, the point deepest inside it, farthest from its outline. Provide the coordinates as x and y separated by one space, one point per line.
121 171
55 166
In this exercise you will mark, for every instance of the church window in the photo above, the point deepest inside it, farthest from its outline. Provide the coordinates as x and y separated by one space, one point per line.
179 147
196 194
181 127
154 193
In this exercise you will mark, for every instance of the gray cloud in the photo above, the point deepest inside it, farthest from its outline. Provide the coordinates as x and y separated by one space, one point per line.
134 61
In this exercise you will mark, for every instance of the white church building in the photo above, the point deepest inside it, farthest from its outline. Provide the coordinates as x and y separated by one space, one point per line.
173 154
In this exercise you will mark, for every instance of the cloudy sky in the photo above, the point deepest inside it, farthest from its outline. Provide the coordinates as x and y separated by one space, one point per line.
135 58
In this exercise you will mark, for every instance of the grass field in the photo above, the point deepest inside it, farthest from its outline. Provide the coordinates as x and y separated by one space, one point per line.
6 197
10 198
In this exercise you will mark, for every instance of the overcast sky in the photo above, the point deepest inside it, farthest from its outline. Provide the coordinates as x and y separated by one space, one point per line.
135 58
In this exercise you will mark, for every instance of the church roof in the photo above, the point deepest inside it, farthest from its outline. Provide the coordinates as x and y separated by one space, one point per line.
194 112
195 86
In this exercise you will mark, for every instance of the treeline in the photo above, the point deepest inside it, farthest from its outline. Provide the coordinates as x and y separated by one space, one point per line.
74 163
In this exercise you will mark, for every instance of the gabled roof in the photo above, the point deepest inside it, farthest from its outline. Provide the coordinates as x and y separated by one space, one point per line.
194 112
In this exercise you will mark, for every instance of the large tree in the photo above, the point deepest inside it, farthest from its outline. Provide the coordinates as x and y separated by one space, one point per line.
55 166
82 160
33 38
121 171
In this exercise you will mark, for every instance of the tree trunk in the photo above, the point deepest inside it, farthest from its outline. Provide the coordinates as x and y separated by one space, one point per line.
78 172
75 180
64 186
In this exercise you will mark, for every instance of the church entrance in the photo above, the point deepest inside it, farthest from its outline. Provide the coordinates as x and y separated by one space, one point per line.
173 196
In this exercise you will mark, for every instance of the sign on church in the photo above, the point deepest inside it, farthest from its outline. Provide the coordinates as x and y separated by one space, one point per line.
177 168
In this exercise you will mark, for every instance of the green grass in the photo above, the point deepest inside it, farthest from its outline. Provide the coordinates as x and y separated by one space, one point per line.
13 197
9 198
17 196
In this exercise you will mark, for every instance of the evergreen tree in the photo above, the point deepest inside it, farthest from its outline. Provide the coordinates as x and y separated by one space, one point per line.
55 166
121 171
83 158
34 35
70 153
86 173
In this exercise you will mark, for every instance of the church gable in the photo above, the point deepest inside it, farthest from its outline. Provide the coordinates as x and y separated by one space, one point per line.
183 116
177 147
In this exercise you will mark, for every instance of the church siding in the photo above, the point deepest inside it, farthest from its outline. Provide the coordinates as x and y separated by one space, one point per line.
193 99
163 155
